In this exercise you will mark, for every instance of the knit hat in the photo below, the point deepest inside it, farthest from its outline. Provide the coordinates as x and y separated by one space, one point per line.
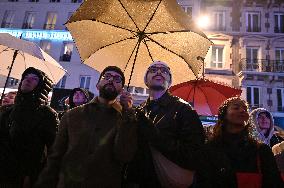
158 63
115 69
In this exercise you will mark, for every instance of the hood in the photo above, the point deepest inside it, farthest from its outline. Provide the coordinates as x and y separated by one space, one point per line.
255 126
40 94
86 92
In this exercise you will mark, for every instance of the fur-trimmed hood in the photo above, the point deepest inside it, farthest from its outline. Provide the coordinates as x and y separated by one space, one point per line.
255 126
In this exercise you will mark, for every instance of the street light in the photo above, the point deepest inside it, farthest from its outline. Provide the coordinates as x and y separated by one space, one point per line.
203 21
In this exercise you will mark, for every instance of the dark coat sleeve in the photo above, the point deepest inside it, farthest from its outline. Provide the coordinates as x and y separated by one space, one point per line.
50 174
271 176
179 146
125 144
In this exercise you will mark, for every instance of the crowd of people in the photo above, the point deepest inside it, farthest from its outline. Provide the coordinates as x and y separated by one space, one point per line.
106 142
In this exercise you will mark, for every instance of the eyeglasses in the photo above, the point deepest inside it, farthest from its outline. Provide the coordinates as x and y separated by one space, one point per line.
116 78
163 70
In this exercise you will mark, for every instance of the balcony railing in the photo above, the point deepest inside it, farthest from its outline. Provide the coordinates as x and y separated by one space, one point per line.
278 29
253 29
49 26
6 25
27 26
262 65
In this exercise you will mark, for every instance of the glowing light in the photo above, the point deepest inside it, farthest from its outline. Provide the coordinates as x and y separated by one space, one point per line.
39 34
203 22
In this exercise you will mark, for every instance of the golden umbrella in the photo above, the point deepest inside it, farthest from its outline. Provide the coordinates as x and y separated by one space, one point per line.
131 34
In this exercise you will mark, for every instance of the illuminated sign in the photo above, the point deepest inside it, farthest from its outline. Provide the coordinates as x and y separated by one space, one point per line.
39 34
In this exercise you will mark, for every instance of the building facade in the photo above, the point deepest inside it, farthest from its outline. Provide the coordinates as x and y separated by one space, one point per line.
248 50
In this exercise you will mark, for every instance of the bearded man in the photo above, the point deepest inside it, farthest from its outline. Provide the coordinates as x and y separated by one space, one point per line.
94 139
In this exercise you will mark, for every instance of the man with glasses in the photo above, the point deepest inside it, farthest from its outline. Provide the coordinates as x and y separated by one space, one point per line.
168 126
94 140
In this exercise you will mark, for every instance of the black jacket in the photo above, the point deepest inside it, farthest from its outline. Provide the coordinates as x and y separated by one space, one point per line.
26 129
220 160
174 129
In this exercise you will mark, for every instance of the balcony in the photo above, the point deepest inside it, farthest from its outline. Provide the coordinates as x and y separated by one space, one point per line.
262 65
49 26
27 26
6 25
253 29
278 30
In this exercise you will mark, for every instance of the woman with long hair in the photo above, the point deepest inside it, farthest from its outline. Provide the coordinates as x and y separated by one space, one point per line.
232 157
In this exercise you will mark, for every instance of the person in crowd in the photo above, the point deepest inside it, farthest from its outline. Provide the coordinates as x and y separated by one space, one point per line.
262 123
77 97
94 140
9 98
233 157
168 127
27 131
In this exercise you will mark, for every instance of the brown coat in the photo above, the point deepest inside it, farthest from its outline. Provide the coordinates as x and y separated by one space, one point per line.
93 143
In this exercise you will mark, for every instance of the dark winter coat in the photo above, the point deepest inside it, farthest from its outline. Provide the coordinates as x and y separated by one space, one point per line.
25 130
222 159
174 129
93 143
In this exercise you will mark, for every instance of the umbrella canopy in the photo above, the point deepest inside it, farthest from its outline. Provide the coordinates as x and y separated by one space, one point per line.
206 96
131 34
28 54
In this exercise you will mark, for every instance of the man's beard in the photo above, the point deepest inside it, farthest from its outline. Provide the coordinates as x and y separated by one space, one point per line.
108 94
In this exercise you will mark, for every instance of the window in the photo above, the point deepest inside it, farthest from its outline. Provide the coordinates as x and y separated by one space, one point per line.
13 82
76 1
50 20
13 0
253 97
219 21
217 57
29 20
188 10
45 45
252 58
8 19
54 1
66 52
85 82
280 100
253 22
279 57
278 22
33 0
61 83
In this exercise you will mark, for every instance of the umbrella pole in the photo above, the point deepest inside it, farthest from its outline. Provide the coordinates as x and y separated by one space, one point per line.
6 83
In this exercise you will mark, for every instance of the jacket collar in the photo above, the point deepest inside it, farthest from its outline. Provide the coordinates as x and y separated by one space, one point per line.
164 100
116 105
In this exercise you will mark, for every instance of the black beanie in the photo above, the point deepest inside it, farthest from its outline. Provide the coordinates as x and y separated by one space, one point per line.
115 69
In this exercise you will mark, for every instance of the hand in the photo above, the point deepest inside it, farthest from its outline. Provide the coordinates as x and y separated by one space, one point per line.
27 182
126 100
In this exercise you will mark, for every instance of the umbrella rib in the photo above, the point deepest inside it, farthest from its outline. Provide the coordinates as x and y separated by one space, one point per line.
152 16
171 52
130 56
119 27
139 42
144 41
111 44
207 101
180 31
128 14
6 49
